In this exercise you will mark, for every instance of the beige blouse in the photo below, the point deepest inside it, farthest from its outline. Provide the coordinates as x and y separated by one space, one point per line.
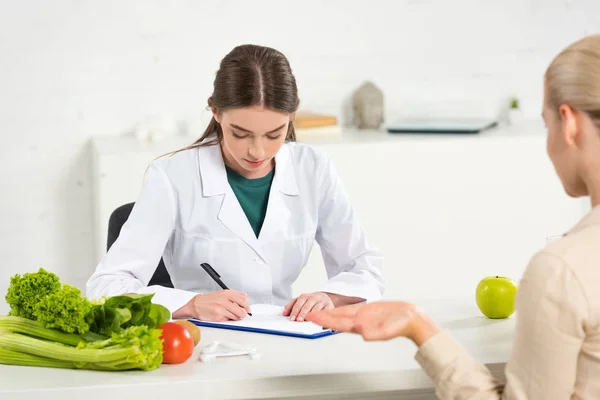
556 351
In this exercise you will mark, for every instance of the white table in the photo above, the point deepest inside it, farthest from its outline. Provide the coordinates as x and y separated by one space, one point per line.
342 366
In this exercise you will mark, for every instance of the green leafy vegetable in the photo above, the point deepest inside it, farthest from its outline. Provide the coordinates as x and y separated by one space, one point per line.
120 312
25 293
40 297
53 325
143 311
65 310
106 320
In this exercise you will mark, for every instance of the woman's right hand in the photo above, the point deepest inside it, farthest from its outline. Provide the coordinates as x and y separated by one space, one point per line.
224 305
381 320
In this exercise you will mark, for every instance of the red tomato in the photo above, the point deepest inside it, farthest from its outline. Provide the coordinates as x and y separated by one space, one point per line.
178 344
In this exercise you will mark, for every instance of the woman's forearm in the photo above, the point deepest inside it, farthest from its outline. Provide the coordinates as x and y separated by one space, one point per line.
422 328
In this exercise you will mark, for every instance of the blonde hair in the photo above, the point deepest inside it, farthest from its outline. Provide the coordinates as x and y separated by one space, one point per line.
573 78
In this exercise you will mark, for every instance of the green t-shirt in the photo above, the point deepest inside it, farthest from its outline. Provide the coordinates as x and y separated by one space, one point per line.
253 195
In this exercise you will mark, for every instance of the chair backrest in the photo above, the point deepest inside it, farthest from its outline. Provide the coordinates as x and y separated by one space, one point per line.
115 223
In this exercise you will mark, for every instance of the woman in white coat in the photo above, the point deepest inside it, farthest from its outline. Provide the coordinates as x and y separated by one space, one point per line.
250 202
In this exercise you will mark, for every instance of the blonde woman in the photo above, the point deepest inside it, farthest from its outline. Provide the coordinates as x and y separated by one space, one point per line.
556 353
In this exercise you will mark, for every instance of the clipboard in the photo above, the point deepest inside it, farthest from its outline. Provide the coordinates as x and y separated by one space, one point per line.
267 319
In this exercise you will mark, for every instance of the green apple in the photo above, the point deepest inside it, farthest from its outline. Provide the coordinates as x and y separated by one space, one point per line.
495 296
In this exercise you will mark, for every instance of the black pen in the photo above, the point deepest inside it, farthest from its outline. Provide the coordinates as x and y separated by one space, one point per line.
215 276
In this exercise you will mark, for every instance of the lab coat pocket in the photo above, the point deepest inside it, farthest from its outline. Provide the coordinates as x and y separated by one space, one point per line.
290 256
189 252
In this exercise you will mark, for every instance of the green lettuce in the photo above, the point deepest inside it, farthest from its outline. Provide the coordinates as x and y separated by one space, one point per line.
40 297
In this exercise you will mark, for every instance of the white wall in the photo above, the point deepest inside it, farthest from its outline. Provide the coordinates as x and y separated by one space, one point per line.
73 69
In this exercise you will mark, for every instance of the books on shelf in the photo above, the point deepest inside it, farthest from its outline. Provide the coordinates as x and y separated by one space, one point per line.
312 125
307 119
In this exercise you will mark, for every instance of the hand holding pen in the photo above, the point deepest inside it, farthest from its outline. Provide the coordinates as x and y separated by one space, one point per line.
220 306
235 296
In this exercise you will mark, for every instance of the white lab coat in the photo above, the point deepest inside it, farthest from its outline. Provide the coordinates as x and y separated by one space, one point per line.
188 214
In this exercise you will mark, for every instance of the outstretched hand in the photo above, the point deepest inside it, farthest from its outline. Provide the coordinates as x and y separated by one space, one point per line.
378 321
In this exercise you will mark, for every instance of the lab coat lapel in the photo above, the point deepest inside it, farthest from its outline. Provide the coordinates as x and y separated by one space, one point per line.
214 183
284 184
233 217
277 215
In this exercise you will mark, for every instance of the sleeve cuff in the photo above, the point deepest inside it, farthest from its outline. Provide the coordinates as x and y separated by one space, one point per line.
352 289
172 299
437 353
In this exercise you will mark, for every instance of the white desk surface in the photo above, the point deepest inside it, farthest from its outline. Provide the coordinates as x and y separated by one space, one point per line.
341 366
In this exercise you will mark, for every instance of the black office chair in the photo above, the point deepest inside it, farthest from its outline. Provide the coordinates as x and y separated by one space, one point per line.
115 223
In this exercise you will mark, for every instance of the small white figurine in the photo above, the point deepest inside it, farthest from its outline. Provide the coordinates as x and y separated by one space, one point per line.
367 103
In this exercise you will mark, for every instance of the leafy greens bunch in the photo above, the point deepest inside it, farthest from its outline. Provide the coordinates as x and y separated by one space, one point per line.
52 325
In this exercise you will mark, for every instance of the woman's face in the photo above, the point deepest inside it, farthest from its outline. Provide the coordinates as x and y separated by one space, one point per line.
252 136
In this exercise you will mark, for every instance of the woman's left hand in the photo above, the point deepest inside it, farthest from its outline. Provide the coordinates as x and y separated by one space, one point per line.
298 308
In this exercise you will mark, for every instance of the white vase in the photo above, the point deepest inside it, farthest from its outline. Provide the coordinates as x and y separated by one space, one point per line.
515 116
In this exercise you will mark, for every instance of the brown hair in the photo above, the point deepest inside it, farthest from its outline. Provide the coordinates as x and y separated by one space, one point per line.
251 75
573 78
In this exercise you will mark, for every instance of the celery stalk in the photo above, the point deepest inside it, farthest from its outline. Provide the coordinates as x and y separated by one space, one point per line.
35 329
59 351
29 360
136 347
10 357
